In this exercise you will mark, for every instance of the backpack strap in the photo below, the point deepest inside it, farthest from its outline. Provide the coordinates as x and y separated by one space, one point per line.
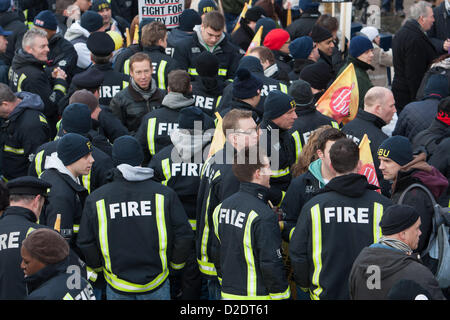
417 185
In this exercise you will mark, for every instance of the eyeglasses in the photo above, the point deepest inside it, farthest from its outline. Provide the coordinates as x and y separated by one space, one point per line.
249 132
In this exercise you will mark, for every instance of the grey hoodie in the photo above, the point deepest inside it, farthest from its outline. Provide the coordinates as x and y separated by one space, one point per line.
197 29
176 100
189 145
131 173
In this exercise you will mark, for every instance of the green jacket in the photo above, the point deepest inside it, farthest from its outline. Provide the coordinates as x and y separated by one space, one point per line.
364 83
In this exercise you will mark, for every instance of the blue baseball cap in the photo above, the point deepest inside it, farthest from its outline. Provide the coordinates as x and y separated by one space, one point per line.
4 32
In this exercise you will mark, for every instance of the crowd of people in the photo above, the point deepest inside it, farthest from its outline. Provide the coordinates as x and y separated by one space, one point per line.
191 164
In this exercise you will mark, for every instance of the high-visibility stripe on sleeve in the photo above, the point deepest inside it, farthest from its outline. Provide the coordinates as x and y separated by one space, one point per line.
222 72
124 84
334 124
126 67
165 164
291 233
76 228
219 98
87 181
151 128
103 233
316 250
177 266
193 71
161 74
377 214
193 224
249 257
13 150
298 145
282 295
30 229
38 162
19 83
283 88
60 88
216 220
280 173
42 119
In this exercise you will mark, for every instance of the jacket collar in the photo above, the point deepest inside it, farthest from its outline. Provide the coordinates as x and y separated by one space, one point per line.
254 189
21 212
36 280
364 115
360 64
353 185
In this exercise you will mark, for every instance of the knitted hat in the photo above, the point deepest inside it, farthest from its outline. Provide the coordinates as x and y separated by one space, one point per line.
76 118
396 148
188 116
301 47
5 5
126 149
405 289
397 218
254 13
28 185
370 32
85 97
253 64
300 90
207 64
46 245
91 21
436 86
319 34
246 85
46 19
359 45
189 18
99 5
100 44
318 75
307 4
268 24
275 39
205 6
92 78
276 104
72 147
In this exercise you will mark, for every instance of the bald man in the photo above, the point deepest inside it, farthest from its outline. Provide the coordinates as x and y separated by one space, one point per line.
379 108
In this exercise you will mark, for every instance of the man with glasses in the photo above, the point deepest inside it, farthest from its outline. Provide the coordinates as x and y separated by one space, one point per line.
209 36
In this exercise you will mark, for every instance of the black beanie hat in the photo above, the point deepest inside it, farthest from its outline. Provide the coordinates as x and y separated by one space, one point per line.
207 64
91 21
318 75
319 34
255 13
245 85
189 18
396 148
276 104
126 149
72 147
397 218
47 246
76 118
46 19
300 90
189 115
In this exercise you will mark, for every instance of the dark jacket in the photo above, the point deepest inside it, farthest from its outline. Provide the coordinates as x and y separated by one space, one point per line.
162 65
284 62
112 84
10 21
156 126
21 134
431 136
364 83
108 125
413 53
28 74
50 283
418 171
297 67
207 93
394 265
247 248
122 60
243 36
62 54
303 25
129 106
257 114
440 31
345 213
158 232
15 223
441 161
416 117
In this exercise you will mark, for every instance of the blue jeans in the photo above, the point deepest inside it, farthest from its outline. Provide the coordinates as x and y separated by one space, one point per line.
214 290
163 293
386 4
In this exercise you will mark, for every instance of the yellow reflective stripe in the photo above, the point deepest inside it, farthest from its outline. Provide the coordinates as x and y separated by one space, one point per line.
377 214
19 83
334 124
42 119
283 88
161 76
282 295
165 164
38 162
103 233
151 128
216 220
126 67
291 233
283 193
162 231
177 266
126 286
13 150
91 274
87 181
193 224
316 250
228 296
249 258
280 173
207 268
193 71
68 297
76 228
222 72
30 229
124 84
218 101
298 144
60 87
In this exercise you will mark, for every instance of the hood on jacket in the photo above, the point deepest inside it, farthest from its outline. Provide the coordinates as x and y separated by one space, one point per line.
197 30
315 169
131 173
189 145
431 177
48 272
352 185
29 101
76 31
22 59
176 100
53 162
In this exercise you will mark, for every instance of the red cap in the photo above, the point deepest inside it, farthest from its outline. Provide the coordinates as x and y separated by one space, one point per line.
275 39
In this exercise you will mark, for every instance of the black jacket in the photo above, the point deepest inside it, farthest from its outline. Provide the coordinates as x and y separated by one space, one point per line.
108 125
413 53
207 93
157 228
162 65
15 224
394 265
440 31
332 229
441 161
50 283
431 137
21 134
303 25
62 54
297 67
112 84
257 114
247 246
28 74
10 21
243 36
